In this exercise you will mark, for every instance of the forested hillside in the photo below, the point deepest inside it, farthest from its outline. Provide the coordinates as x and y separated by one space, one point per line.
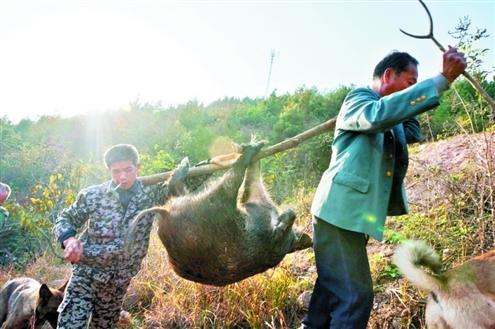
46 161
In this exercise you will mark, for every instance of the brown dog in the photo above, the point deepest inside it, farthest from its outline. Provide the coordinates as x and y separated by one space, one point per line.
26 303
460 298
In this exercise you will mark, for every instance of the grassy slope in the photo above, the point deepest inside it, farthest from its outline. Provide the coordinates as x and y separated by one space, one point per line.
444 183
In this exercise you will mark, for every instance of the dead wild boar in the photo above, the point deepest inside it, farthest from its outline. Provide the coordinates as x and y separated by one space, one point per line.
229 230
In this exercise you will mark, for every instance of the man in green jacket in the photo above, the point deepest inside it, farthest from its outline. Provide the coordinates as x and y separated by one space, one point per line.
364 183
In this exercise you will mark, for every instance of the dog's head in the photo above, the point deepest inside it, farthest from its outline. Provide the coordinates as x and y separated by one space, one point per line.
46 307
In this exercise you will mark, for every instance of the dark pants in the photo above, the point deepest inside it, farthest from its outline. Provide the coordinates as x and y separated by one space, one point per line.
343 294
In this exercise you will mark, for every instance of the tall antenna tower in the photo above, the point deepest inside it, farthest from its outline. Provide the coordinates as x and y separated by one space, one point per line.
272 57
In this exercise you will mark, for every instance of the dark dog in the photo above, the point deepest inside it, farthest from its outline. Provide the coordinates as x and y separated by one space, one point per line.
460 298
26 303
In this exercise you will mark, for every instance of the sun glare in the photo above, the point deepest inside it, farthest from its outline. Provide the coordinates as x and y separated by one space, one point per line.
87 61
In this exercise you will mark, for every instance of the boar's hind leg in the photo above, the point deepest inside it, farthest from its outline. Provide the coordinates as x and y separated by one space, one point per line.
253 190
255 195
249 151
258 202
228 187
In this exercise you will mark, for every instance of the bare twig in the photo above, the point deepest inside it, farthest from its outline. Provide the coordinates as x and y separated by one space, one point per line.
282 146
476 85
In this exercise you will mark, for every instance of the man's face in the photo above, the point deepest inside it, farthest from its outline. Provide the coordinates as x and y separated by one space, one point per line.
392 82
124 173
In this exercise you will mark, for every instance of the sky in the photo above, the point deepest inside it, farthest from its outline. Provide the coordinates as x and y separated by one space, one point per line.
69 57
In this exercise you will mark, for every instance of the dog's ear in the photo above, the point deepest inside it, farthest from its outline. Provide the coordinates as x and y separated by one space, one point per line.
45 294
62 288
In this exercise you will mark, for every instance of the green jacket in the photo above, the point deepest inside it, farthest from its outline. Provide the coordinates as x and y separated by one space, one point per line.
364 182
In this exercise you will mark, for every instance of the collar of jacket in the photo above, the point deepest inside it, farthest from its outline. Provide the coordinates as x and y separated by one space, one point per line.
137 188
378 96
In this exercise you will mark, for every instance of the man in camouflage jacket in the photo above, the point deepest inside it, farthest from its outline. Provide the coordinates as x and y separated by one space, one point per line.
102 266
4 195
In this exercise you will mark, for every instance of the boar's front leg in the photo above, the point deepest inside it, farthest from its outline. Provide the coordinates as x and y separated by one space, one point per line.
263 214
260 208
253 190
284 231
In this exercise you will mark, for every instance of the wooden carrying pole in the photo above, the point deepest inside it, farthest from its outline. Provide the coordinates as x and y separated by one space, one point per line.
280 147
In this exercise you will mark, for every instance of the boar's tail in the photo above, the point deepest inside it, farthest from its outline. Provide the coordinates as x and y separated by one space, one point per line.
130 236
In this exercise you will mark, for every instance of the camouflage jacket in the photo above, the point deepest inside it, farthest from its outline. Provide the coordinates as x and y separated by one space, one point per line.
100 215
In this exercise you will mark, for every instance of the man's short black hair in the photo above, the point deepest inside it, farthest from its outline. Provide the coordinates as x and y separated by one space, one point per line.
397 61
121 152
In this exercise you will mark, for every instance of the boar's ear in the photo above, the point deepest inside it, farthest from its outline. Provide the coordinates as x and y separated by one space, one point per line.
45 294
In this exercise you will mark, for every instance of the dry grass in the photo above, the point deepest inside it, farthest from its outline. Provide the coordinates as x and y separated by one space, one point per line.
45 268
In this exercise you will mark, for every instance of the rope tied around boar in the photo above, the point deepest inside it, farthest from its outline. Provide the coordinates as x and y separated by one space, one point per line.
230 229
